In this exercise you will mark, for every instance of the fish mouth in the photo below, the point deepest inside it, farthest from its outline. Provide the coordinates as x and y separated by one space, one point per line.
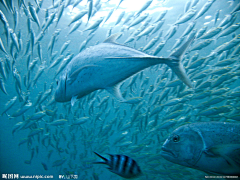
167 153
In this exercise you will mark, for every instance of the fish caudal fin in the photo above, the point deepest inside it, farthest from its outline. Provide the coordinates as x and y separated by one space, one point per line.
179 70
175 64
105 159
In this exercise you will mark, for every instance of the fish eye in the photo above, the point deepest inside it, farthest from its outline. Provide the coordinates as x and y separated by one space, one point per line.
176 138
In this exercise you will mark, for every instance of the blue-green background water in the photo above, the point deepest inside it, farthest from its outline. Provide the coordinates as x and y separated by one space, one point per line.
116 119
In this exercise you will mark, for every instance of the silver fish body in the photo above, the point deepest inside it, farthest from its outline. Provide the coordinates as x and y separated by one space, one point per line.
145 6
2 86
205 8
33 14
95 68
120 18
22 110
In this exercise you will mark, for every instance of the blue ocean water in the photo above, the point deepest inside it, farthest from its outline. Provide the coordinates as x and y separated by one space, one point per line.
112 127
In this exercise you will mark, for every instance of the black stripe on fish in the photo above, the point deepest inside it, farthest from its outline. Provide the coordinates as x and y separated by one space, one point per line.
125 164
122 160
130 161
111 161
117 162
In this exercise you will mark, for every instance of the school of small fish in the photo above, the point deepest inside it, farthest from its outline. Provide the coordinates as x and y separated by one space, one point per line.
77 85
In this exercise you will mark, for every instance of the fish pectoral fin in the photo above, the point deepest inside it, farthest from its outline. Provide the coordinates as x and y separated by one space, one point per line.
209 153
230 152
115 91
224 149
72 77
73 100
113 38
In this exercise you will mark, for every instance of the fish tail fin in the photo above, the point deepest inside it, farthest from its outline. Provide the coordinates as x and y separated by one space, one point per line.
105 159
175 63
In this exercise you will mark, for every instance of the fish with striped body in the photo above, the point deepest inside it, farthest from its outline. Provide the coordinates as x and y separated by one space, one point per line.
121 165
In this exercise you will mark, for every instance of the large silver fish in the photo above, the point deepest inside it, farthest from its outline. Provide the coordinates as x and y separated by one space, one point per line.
208 146
106 65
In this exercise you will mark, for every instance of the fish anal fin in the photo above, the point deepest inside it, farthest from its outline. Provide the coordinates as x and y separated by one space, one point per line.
113 38
73 100
115 91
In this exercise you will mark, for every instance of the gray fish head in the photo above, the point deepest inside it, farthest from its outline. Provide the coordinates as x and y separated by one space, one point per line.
60 93
183 146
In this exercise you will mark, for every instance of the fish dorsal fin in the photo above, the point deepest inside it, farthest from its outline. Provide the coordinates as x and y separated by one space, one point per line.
113 38
115 91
